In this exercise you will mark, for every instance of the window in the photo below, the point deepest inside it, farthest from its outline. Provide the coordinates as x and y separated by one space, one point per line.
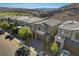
39 28
66 31
77 36
62 31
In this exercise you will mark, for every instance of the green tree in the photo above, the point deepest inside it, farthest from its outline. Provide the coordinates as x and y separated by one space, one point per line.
13 28
5 25
25 32
55 48
22 51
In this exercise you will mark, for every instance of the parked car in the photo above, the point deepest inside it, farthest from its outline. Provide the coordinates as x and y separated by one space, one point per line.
65 53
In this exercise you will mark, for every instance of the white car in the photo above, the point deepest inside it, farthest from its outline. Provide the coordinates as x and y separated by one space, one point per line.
65 53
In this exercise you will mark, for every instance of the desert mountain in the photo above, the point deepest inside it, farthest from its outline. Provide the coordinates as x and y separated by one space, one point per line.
68 12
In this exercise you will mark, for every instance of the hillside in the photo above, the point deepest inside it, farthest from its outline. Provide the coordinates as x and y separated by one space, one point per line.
41 12
68 12
4 11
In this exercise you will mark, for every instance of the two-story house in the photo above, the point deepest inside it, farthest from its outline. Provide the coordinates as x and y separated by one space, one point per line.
68 36
45 30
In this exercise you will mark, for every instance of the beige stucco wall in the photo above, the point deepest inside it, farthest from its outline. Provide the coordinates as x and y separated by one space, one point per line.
74 33
42 37
66 33
51 30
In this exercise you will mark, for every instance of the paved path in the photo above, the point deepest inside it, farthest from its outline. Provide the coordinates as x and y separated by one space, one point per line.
37 44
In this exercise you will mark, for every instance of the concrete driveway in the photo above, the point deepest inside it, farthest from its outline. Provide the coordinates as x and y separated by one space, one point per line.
37 44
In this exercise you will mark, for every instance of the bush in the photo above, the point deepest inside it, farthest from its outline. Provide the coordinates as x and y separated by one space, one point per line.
24 31
26 41
55 48
22 51
13 28
5 25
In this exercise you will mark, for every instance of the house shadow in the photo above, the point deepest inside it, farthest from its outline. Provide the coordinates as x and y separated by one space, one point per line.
10 37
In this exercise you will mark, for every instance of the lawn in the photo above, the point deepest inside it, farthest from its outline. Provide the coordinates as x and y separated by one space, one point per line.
14 14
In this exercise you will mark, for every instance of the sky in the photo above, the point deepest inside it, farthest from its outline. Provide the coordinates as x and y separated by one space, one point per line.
32 5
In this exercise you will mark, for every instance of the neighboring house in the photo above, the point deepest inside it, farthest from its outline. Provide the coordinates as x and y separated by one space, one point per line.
9 19
45 30
26 20
22 20
68 37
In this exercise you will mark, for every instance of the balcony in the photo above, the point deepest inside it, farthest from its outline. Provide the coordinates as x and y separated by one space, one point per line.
60 39
40 32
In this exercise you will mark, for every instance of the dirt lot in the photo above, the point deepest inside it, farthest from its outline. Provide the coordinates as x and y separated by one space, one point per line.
8 47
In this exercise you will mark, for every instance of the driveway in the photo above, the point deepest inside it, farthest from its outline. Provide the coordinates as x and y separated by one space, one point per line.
37 44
